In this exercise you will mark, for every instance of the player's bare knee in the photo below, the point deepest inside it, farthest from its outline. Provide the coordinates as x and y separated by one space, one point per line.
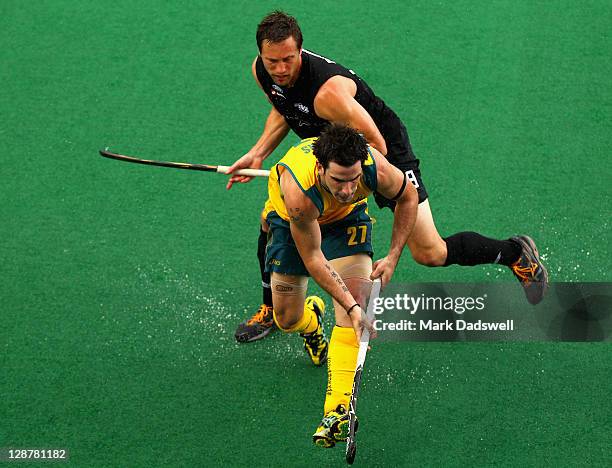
286 319
360 296
431 257
359 289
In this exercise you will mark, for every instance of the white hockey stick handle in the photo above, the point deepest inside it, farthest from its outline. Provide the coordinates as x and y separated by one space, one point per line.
245 172
365 336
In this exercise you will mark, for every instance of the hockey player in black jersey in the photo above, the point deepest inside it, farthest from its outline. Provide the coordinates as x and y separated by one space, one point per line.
308 91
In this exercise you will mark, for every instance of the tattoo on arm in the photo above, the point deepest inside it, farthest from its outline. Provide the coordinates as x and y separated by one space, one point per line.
295 215
336 277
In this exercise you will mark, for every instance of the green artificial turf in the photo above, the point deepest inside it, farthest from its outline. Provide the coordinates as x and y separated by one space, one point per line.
122 284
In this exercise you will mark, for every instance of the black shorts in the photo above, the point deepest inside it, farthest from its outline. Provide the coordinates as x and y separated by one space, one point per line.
400 154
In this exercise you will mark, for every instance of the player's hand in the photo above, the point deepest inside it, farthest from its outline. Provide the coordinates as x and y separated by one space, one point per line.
248 161
360 322
383 269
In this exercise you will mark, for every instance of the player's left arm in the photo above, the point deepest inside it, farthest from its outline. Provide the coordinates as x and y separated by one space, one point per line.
394 185
335 101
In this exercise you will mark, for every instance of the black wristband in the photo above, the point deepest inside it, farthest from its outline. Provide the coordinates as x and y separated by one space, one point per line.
348 311
401 190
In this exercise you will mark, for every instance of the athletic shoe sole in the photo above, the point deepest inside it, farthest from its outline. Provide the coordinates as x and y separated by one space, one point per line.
244 337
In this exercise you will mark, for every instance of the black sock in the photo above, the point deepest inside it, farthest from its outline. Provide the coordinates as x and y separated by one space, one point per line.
265 277
470 248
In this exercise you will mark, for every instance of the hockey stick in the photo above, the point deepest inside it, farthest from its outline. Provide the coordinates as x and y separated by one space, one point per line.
180 165
351 445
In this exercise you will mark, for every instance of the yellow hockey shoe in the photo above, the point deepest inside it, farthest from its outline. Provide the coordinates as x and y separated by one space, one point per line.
333 428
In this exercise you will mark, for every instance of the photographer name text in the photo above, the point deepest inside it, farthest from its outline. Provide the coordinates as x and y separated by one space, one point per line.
446 325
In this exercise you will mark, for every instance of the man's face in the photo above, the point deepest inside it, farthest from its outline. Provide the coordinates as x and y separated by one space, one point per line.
342 182
282 60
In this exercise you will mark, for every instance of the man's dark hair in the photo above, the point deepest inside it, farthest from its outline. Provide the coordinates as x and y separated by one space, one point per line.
278 26
340 144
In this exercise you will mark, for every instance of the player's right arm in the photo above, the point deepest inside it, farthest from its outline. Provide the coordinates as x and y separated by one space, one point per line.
306 234
335 101
393 184
275 130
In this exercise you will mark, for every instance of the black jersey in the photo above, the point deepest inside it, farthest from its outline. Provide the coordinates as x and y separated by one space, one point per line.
296 103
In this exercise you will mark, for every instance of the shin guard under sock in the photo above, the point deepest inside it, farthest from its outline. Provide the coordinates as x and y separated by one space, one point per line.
471 248
265 277
341 362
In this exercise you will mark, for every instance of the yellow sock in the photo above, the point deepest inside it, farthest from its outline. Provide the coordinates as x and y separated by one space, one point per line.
341 362
307 324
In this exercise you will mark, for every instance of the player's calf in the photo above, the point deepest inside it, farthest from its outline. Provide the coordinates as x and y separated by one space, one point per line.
309 325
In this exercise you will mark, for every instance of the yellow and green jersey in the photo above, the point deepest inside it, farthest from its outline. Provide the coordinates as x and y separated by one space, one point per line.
300 161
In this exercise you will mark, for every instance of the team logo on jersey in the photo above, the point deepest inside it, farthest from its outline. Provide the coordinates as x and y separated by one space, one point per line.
302 107
277 91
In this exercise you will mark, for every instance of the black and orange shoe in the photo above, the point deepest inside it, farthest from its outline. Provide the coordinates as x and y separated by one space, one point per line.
257 327
333 428
529 270
315 343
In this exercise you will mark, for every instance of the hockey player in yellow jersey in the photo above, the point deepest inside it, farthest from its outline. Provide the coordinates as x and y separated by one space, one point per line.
319 226
301 162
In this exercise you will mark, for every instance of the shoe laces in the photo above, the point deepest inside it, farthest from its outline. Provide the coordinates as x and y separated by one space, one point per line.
333 416
329 419
260 315
527 273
